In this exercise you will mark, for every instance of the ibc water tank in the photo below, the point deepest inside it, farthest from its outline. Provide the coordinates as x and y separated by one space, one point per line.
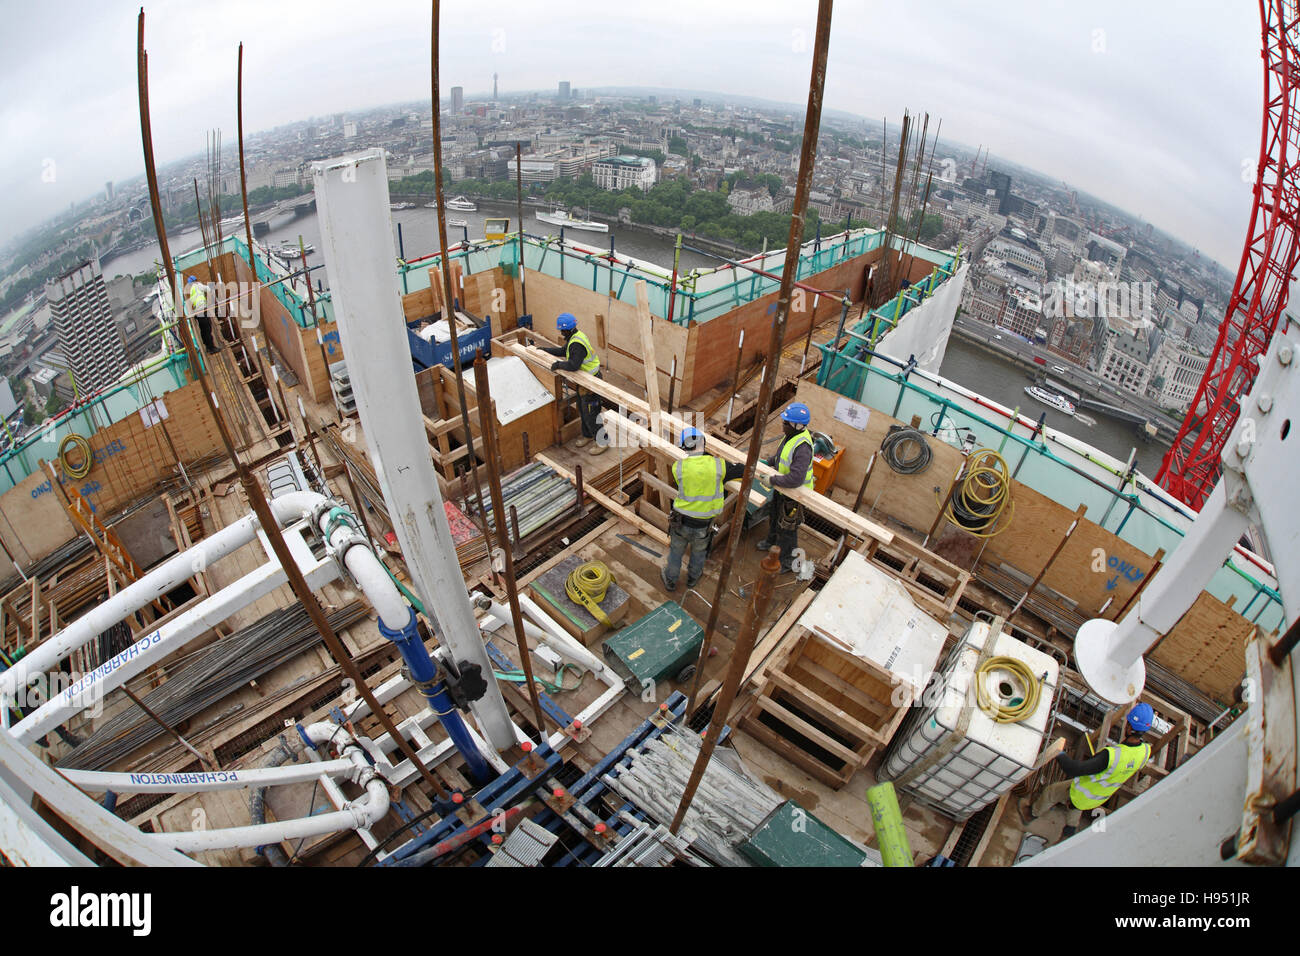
953 752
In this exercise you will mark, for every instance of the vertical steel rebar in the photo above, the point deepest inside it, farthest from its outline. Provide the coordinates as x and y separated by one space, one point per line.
519 204
251 489
488 424
808 155
449 293
768 569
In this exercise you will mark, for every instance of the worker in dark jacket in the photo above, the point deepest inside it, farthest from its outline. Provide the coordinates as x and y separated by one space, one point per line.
700 479
579 356
1090 783
794 465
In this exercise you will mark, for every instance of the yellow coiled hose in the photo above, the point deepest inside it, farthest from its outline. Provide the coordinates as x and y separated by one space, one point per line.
978 504
587 584
79 442
1021 701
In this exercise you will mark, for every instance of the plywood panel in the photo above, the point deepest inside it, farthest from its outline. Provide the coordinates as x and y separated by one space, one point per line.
1037 524
491 295
549 296
715 349
130 459
1207 647
912 499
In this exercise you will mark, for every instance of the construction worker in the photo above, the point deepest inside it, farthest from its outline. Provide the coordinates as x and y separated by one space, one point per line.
794 470
197 294
699 479
579 356
1090 783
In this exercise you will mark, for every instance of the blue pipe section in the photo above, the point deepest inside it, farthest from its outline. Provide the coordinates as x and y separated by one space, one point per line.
424 673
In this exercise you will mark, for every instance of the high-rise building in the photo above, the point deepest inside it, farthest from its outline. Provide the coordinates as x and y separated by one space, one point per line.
494 87
83 319
457 98
108 190
564 89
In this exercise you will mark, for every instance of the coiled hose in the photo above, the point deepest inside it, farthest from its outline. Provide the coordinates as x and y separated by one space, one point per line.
905 450
73 440
587 584
978 504
1014 703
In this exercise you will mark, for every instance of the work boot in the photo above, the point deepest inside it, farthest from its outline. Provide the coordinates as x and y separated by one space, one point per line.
691 582
763 545
599 449
669 586
1067 831
582 442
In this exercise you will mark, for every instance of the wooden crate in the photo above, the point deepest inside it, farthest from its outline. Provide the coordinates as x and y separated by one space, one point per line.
827 711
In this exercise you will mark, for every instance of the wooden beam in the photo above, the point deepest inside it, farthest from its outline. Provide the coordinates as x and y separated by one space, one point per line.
987 835
627 514
818 504
650 365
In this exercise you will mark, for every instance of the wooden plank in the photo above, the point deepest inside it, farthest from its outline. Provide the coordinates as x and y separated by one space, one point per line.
778 744
821 705
805 729
775 635
859 696
627 514
978 853
814 502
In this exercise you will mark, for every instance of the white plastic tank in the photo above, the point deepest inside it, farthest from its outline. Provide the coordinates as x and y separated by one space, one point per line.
951 753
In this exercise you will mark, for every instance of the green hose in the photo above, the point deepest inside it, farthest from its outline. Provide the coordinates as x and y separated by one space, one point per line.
891 835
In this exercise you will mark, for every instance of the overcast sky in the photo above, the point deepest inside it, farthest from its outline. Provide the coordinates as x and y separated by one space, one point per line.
1153 105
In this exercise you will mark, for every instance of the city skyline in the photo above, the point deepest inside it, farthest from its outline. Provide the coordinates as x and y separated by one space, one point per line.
1085 96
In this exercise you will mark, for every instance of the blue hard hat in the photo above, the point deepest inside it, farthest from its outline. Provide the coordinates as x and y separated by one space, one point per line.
190 279
691 438
565 321
797 414
1140 717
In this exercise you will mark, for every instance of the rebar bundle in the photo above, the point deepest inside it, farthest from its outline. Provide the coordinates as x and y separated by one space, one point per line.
537 494
214 673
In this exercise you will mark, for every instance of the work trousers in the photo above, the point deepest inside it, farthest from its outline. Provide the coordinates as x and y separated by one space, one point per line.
589 411
205 332
1058 792
784 533
680 537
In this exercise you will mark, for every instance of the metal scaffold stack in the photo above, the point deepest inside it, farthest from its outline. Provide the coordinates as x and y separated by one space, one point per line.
536 494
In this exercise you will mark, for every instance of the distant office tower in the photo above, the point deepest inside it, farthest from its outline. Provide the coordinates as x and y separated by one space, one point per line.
494 87
108 190
84 322
457 98
564 89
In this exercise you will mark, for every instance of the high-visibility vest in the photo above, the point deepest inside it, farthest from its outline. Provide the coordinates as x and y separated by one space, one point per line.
699 486
1122 761
787 455
198 297
591 365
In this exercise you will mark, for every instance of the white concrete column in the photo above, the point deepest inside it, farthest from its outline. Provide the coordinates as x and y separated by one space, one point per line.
357 242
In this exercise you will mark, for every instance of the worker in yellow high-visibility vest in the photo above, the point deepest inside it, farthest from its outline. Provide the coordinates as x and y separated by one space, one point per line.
1090 783
579 356
197 295
794 465
700 479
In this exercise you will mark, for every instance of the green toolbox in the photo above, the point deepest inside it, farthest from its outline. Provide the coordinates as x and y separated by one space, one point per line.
791 836
663 644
